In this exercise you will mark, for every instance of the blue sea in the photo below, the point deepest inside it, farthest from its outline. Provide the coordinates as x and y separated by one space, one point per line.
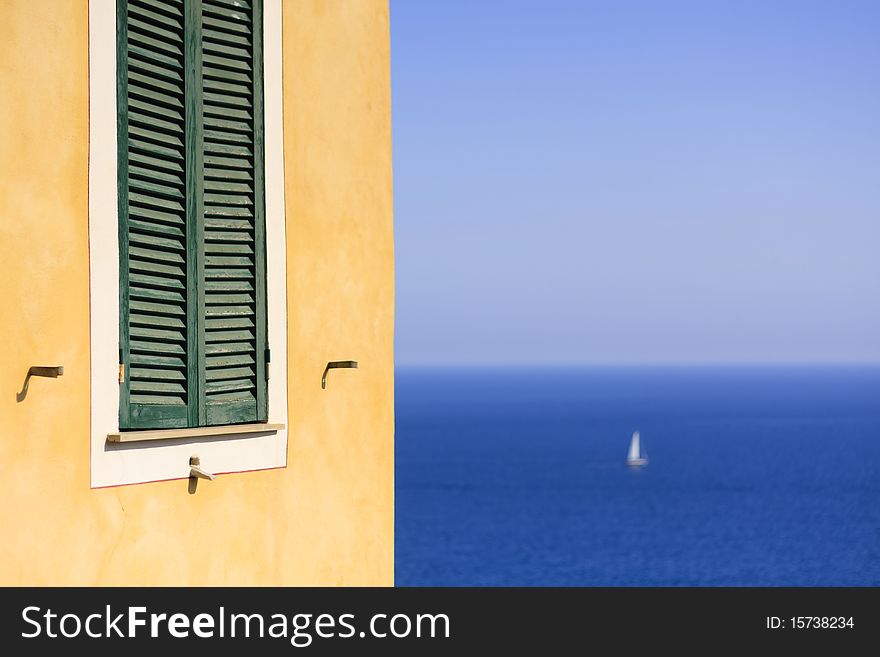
757 476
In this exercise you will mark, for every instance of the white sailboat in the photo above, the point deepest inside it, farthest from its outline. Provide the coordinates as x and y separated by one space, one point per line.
636 458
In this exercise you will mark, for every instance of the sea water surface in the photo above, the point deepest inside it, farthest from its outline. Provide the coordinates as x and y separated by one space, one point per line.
757 476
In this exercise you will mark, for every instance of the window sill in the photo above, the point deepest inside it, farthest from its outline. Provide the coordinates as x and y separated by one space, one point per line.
195 432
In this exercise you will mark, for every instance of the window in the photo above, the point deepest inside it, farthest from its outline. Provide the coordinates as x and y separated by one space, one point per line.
192 262
162 448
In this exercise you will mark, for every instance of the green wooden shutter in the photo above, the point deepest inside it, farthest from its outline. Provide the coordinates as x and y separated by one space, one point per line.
154 259
192 219
233 276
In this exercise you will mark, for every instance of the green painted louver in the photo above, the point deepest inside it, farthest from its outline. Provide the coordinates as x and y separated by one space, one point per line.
234 266
191 208
153 215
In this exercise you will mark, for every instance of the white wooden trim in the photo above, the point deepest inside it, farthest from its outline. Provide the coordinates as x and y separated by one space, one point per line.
194 432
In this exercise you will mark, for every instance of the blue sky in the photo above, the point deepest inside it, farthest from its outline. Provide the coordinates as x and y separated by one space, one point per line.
628 182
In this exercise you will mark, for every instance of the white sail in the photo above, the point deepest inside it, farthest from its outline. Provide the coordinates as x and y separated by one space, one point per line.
634 448
636 456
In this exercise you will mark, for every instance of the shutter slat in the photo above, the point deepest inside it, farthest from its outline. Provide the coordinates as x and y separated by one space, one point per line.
228 87
230 361
227 285
227 217
241 386
227 125
221 237
156 374
219 99
235 5
227 337
231 199
155 235
158 309
214 299
223 248
168 193
152 386
172 8
220 60
226 37
229 322
228 113
213 173
228 310
154 174
156 401
155 202
228 55
230 137
158 335
228 237
160 296
151 360
228 187
157 268
228 275
156 320
229 261
158 348
156 255
150 267
222 348
154 282
227 163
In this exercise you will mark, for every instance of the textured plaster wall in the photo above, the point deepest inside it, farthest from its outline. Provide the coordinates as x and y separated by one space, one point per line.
328 518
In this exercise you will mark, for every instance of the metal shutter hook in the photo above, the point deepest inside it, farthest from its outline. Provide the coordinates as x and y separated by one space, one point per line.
195 470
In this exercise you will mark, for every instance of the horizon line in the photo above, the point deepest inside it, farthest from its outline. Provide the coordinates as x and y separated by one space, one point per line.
664 363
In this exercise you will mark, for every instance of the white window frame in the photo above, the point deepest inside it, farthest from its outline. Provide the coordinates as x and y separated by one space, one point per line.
114 464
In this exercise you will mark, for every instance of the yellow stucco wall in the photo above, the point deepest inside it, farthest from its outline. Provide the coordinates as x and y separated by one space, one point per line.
328 518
